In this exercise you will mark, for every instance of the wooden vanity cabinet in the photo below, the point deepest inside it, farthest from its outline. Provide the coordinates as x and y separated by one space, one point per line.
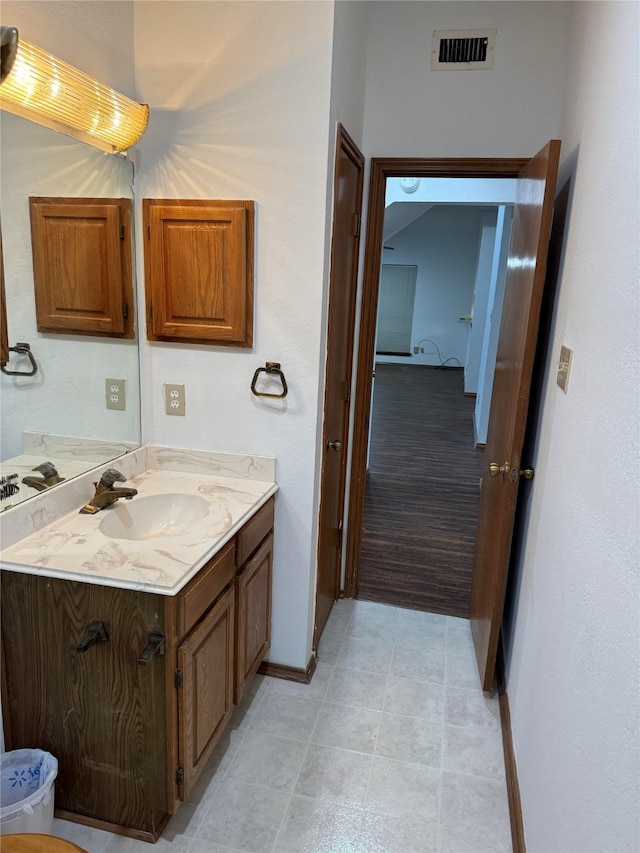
131 738
100 713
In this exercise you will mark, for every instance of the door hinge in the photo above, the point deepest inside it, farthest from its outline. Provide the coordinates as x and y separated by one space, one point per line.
125 310
339 534
356 220
346 391
180 776
151 312
148 232
179 679
122 232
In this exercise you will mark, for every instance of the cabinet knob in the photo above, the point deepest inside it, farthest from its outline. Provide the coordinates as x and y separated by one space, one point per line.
154 647
95 633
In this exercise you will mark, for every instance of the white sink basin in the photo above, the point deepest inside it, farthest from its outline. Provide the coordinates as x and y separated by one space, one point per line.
153 516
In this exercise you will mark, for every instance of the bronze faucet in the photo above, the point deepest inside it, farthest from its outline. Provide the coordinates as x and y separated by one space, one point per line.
49 477
107 493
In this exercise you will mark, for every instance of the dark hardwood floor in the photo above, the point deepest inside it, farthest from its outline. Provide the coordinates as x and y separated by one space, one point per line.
422 491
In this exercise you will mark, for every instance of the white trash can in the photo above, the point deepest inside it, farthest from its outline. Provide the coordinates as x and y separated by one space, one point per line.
26 791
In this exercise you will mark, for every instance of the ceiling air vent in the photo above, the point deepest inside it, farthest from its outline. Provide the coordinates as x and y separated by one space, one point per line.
462 50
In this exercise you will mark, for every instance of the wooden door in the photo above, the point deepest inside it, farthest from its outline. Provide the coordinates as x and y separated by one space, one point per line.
205 700
342 303
526 268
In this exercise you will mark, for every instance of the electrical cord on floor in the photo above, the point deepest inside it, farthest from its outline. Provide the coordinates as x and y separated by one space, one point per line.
444 362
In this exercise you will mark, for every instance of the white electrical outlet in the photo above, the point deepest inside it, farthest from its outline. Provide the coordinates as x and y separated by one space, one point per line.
114 393
174 399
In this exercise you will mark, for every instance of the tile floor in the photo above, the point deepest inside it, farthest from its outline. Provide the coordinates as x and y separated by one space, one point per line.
392 748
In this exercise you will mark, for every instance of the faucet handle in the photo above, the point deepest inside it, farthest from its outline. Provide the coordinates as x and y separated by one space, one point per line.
111 476
47 469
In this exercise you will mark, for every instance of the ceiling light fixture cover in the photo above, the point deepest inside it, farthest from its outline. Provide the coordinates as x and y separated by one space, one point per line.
44 89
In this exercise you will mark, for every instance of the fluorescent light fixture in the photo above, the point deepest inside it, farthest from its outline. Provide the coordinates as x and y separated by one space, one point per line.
48 91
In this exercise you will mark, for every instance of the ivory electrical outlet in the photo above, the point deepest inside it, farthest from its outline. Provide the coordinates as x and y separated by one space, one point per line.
564 368
174 399
114 393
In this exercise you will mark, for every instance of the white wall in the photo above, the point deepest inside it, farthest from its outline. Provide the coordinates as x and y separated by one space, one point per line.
240 98
349 65
492 322
443 244
481 290
511 111
453 191
573 660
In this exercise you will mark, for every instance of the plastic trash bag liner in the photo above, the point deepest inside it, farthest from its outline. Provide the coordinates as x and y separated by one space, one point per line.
22 773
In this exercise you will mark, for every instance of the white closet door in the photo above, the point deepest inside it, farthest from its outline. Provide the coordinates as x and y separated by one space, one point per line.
395 309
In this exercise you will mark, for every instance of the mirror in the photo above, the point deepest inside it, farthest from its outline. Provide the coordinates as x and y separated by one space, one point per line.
60 414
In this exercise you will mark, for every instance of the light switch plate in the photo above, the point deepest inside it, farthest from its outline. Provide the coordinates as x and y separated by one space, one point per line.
564 367
114 393
174 399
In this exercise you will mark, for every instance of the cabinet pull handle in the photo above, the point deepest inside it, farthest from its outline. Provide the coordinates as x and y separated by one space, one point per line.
154 647
95 633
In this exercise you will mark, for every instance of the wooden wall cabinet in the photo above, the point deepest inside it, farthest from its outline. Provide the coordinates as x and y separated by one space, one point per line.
82 265
4 332
199 271
131 738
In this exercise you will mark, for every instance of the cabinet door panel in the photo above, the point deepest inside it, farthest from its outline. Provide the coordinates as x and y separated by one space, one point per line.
82 265
205 701
96 711
253 592
199 270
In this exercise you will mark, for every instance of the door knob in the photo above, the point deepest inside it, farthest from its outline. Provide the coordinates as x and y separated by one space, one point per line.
495 469
334 445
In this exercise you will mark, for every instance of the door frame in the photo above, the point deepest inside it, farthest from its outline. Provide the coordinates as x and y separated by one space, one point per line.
381 169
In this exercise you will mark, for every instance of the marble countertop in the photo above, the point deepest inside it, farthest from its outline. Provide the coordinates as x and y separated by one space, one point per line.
74 548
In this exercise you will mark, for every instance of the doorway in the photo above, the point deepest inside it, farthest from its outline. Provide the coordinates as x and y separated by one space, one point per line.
433 374
524 286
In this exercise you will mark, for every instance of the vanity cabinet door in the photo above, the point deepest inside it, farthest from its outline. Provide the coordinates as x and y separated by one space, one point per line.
253 596
98 711
205 699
